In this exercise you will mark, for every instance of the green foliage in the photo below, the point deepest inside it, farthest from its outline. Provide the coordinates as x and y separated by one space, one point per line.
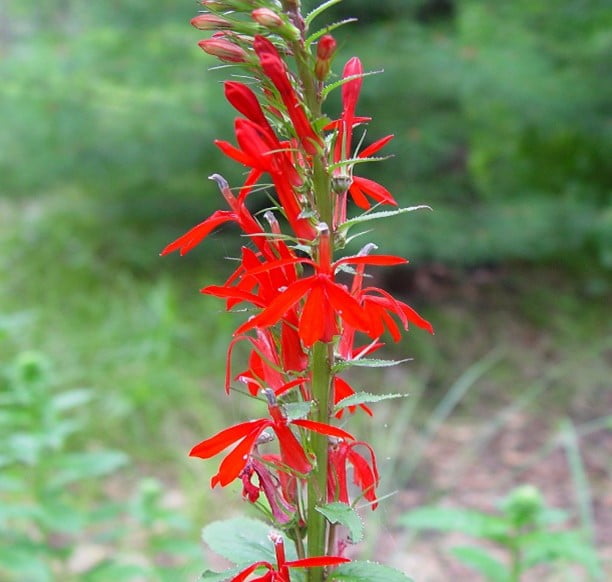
499 109
525 528
45 520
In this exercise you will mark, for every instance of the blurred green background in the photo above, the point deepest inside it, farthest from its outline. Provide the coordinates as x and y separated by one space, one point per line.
502 113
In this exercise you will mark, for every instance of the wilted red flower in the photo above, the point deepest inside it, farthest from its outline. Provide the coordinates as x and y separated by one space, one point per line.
365 471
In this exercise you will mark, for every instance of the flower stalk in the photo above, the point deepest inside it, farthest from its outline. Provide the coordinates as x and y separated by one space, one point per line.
308 322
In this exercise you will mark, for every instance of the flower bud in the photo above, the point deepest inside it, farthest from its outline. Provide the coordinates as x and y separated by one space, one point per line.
267 18
223 49
325 52
326 47
210 22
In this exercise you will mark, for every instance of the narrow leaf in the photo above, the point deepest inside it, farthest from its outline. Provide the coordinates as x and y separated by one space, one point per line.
368 363
346 516
364 398
382 214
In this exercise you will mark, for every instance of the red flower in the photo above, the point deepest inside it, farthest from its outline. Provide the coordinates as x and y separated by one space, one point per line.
325 299
279 572
246 434
276 70
239 213
365 471
342 389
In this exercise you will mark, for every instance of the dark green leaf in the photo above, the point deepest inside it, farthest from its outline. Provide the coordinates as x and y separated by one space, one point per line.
243 540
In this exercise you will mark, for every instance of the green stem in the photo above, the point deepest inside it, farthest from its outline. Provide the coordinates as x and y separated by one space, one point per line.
317 483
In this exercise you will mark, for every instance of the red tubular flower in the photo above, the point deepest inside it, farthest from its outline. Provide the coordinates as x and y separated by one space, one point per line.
239 213
365 471
279 572
325 299
275 69
246 434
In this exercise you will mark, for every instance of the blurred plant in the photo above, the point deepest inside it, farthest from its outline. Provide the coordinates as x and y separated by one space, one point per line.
46 487
525 529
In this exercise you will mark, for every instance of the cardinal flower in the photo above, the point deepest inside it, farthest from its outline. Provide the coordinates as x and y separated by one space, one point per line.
279 572
246 435
325 300
239 213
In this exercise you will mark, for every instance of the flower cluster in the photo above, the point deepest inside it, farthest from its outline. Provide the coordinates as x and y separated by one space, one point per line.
313 314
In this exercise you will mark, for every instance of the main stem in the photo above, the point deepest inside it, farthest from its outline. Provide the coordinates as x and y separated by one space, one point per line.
317 483
322 355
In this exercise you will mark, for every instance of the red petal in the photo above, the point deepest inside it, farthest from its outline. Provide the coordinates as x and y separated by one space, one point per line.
292 453
315 315
231 293
244 574
318 561
198 233
323 428
375 190
377 145
235 154
215 444
278 307
347 307
232 465
381 260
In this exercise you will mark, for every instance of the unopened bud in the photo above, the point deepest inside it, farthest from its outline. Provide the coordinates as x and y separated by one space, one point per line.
210 22
340 184
223 49
267 17
326 47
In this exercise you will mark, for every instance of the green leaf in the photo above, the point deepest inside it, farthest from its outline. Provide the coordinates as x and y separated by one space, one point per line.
78 466
378 215
364 398
329 88
243 540
480 560
319 10
361 571
70 399
466 521
108 570
345 515
295 410
25 563
368 363
570 546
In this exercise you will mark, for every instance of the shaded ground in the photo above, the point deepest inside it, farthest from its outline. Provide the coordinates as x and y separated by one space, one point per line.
517 426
